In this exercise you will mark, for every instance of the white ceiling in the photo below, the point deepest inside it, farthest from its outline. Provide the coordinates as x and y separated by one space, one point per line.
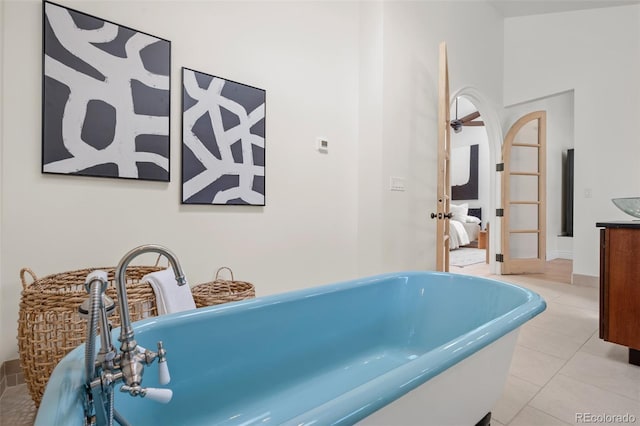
510 8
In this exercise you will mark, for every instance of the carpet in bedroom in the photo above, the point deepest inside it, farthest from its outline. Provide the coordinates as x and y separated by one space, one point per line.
465 256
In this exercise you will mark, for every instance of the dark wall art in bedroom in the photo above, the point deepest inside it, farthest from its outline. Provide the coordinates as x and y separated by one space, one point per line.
468 190
223 141
106 106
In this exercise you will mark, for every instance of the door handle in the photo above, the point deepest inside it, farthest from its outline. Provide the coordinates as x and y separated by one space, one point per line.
441 216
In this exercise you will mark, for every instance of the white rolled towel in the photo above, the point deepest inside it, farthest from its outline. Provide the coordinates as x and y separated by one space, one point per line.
170 297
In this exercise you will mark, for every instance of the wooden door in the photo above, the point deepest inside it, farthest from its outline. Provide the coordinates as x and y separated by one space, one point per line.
524 195
442 214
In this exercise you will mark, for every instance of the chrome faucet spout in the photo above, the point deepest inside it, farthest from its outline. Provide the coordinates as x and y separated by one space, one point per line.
126 331
108 366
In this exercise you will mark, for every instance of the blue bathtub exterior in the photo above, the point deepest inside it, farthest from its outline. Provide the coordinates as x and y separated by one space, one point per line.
326 355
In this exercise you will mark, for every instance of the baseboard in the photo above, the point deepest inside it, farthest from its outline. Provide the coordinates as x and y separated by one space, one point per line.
585 280
560 254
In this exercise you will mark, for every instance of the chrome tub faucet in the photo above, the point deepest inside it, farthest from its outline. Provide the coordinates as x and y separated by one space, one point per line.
132 359
110 366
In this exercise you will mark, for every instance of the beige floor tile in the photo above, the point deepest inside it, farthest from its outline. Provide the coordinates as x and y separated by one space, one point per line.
16 407
547 290
580 297
596 346
517 393
549 341
565 398
533 366
495 422
530 416
568 320
614 376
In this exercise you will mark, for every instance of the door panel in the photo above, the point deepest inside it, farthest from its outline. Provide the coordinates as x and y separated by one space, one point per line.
444 156
524 195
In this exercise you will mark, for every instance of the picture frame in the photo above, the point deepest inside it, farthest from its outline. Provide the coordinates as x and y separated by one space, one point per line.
223 141
106 98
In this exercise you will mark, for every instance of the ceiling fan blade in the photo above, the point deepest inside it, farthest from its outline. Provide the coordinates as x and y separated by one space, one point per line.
473 123
470 117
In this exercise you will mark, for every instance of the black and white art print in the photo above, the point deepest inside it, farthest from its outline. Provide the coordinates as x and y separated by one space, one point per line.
105 98
464 176
223 141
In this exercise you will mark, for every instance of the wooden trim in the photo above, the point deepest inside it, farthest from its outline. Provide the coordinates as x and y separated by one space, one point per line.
488 248
542 186
528 145
604 285
524 173
444 149
509 265
525 266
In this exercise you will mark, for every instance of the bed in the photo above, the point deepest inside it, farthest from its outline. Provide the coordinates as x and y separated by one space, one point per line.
464 226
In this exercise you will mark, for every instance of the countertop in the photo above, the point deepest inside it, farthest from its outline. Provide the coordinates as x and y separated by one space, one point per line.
619 224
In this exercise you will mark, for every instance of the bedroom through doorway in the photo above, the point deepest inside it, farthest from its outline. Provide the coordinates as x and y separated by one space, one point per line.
470 189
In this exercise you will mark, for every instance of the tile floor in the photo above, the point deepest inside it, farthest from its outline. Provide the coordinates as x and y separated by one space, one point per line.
560 367
16 407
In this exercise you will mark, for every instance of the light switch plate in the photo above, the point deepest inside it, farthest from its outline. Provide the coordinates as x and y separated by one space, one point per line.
322 145
397 183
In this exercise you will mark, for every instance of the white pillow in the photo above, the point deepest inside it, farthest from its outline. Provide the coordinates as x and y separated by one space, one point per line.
472 219
459 212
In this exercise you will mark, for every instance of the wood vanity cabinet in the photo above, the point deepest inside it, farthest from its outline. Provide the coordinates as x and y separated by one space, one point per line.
620 285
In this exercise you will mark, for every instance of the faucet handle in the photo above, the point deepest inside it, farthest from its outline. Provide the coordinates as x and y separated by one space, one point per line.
148 357
160 395
163 368
163 373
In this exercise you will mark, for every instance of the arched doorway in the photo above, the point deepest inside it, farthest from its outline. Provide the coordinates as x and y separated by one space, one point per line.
494 136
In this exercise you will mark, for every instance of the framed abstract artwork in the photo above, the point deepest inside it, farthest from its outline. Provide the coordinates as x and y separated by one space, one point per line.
223 141
465 174
106 106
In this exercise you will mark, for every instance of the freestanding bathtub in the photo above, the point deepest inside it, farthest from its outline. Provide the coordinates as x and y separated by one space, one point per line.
397 349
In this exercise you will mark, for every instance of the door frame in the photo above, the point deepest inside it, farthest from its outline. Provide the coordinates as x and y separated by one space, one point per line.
528 265
443 191
494 138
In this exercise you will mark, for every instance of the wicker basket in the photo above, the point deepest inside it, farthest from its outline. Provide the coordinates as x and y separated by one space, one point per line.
222 291
49 325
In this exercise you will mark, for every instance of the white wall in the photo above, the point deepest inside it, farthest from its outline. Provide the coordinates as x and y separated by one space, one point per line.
306 233
370 180
368 84
596 53
2 40
559 110
412 33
